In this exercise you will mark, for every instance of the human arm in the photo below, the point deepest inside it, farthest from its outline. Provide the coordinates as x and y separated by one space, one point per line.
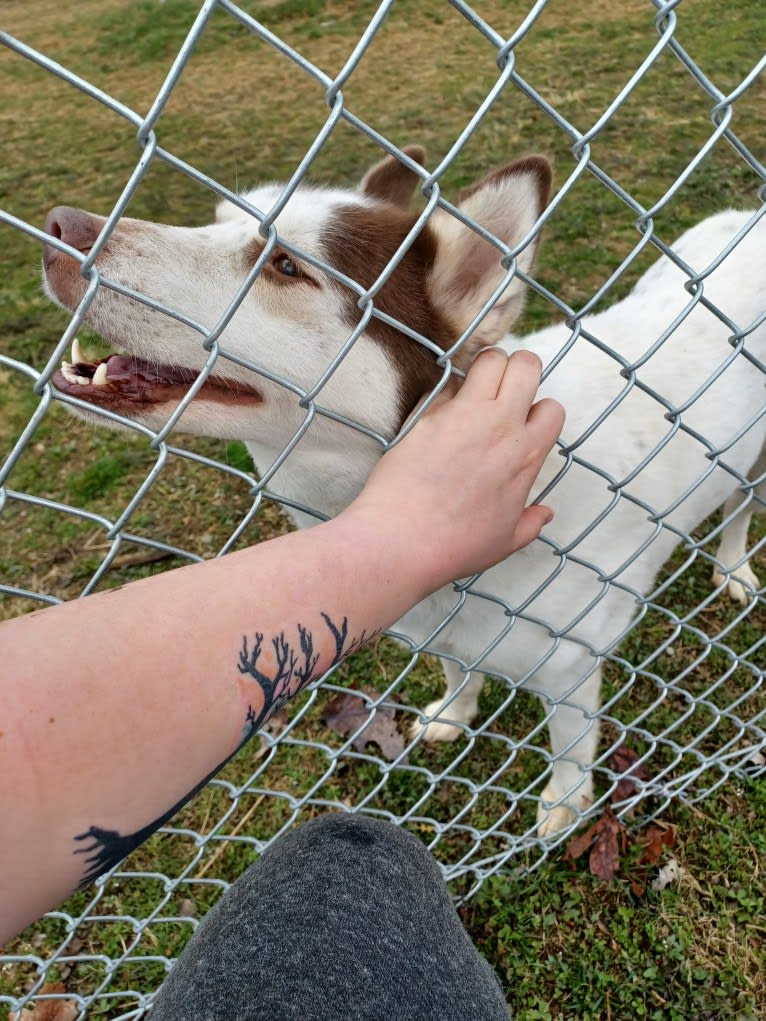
114 709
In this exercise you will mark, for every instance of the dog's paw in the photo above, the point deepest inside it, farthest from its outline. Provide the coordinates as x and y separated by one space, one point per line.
552 818
551 821
740 586
437 730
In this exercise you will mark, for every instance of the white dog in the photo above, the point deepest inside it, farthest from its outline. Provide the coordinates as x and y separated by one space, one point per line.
665 418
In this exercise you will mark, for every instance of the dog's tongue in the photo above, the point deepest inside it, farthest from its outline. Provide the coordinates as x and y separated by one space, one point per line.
120 368
123 368
123 381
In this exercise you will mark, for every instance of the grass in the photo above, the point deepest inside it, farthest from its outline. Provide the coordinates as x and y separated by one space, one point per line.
564 944
693 951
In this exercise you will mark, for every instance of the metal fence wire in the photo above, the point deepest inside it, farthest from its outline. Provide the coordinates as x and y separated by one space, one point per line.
690 703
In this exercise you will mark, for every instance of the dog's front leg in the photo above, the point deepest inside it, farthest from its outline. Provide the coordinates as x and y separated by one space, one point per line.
460 704
573 727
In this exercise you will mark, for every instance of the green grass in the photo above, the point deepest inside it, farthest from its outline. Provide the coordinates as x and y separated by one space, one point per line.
565 945
153 39
691 951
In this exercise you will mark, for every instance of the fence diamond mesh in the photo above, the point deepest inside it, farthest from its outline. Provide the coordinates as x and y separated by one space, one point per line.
683 681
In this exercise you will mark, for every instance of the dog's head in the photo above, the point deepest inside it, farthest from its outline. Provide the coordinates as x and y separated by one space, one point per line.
299 312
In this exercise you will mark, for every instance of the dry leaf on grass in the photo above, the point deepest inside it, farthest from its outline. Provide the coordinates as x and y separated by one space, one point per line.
604 857
276 723
657 837
48 1010
608 839
669 873
187 908
625 760
348 713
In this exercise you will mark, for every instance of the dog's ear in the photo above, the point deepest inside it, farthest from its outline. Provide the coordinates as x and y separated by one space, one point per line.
391 181
467 268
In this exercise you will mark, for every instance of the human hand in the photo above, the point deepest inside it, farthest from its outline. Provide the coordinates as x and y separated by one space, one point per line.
456 486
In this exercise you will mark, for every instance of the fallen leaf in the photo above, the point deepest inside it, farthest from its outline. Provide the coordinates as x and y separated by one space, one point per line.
638 888
657 838
48 1010
604 859
624 760
671 872
577 846
606 839
349 713
276 723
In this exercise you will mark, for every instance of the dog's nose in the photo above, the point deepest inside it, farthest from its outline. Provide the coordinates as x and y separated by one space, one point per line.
74 227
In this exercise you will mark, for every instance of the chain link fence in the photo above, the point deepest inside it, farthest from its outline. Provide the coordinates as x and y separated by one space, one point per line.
683 682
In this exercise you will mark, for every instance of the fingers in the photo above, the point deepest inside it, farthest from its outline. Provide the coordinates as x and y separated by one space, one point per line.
512 384
483 379
495 376
519 384
532 521
546 418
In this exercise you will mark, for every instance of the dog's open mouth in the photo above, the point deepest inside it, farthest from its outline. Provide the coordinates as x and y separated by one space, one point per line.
124 380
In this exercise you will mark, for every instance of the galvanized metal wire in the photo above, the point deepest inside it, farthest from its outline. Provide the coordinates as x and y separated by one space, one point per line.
489 824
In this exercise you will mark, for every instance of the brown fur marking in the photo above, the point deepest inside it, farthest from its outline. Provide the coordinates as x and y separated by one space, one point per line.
359 243
391 181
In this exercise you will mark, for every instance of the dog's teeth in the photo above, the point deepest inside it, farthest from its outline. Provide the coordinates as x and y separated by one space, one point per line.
77 355
82 380
100 377
68 373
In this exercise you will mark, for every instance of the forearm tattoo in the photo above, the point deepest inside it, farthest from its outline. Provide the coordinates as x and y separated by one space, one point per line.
281 669
290 668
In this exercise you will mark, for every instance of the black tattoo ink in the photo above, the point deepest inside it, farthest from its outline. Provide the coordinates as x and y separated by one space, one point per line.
293 670
108 847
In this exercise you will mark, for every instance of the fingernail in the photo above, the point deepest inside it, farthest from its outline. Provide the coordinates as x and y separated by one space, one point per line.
491 347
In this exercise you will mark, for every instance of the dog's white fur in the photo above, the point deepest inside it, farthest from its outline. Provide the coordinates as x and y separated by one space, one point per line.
569 607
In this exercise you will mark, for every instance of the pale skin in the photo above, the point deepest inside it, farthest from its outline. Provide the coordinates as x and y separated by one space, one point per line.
115 707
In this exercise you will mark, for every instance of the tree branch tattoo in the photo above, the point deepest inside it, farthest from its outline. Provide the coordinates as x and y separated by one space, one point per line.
278 678
292 667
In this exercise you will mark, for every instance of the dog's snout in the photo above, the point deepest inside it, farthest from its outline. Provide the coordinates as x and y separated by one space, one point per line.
74 227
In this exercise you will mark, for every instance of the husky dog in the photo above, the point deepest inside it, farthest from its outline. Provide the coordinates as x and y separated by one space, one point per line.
665 415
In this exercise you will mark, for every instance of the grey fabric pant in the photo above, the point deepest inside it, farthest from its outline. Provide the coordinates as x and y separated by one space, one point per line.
343 919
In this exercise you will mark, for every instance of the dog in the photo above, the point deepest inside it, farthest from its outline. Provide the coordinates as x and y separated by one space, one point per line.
665 414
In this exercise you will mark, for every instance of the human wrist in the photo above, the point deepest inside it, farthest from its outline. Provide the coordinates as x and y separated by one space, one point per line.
399 549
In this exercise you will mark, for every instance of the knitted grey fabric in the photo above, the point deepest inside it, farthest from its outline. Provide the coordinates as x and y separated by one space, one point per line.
343 919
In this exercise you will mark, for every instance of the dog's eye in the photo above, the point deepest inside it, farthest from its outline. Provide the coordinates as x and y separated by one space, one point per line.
284 264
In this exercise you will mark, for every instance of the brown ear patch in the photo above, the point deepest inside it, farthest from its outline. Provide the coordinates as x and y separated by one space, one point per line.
360 242
390 181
